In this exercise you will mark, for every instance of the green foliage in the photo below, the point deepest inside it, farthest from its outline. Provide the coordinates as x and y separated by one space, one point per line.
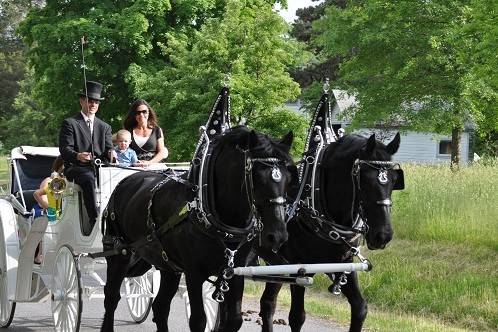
118 34
29 121
248 43
402 56
173 53
12 59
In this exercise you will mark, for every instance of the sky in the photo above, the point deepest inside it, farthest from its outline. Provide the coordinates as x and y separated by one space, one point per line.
290 14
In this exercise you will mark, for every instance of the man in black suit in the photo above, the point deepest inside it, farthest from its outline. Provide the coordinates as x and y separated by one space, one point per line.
82 139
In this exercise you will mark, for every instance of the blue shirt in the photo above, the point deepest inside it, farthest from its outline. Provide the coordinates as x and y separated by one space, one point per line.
127 157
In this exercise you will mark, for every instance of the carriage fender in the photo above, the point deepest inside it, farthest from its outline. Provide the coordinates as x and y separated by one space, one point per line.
11 250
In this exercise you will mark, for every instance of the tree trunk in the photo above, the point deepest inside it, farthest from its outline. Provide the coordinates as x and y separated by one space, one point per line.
456 146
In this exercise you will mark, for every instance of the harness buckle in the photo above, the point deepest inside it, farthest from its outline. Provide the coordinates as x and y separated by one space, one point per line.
220 298
165 256
229 255
334 235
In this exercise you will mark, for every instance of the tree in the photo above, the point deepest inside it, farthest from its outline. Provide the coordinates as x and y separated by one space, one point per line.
321 66
407 62
119 34
248 42
12 59
135 47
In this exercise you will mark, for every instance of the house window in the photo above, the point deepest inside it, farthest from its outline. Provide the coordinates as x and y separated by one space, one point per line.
444 147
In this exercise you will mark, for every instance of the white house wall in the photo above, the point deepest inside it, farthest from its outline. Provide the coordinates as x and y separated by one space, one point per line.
420 147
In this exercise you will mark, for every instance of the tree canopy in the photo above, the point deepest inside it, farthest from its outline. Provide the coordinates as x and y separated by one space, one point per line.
247 43
411 63
172 52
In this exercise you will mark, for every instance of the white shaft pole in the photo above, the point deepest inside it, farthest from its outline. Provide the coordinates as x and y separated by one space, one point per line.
300 268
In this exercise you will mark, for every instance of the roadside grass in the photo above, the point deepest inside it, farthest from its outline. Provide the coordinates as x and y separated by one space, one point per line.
440 272
4 172
439 205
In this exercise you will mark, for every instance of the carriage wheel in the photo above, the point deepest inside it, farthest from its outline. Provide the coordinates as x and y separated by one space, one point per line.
7 308
66 292
211 307
139 296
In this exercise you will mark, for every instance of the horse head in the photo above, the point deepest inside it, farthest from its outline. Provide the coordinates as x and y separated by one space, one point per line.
361 178
377 178
254 182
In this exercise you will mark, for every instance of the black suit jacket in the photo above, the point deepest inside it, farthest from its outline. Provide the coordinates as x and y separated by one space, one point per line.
75 137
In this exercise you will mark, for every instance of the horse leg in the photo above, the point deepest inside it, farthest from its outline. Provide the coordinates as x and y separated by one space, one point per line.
162 302
232 305
297 315
197 321
116 272
356 301
268 303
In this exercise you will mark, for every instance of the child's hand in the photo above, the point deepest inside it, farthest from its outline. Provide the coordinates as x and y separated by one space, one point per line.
142 163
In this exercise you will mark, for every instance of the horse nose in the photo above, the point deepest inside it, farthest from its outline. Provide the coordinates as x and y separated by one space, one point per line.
275 240
382 239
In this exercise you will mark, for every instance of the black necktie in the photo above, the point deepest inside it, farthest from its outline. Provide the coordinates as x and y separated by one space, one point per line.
89 124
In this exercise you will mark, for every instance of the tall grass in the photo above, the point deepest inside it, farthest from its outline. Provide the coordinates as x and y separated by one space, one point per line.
458 208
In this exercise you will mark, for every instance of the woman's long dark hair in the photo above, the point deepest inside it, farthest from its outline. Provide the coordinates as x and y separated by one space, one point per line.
131 122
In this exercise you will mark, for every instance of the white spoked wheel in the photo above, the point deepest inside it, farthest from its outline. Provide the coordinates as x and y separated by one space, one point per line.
66 292
7 308
139 296
211 307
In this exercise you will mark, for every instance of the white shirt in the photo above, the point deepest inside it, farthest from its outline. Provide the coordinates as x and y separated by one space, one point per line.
86 118
140 140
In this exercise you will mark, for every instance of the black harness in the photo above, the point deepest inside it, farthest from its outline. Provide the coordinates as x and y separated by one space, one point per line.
115 244
203 212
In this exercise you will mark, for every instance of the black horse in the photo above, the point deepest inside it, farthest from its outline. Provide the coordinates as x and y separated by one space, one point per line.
356 181
248 181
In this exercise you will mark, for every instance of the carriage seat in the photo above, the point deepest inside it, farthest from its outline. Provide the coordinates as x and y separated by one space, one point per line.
28 198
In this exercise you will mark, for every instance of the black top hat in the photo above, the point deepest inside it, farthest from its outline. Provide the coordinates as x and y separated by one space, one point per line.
94 89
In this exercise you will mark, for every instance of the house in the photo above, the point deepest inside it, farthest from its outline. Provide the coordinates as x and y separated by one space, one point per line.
420 147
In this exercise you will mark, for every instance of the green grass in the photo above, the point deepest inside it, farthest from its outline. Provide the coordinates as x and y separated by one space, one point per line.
439 205
4 172
440 273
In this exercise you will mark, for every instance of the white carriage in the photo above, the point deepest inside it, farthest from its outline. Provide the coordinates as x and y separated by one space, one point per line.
65 245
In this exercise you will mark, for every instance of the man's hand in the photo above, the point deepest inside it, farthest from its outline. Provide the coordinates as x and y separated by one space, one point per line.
84 157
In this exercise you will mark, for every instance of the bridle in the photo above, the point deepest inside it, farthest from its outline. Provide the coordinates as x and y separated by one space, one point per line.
321 224
276 175
382 167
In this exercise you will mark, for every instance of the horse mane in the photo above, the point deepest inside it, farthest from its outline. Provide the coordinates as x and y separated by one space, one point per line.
350 147
238 137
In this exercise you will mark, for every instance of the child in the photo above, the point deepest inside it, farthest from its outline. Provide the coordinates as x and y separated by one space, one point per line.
124 155
46 202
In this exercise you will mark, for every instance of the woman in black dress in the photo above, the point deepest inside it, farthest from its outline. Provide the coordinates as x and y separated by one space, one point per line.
147 137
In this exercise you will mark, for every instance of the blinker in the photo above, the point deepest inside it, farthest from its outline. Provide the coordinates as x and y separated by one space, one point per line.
399 184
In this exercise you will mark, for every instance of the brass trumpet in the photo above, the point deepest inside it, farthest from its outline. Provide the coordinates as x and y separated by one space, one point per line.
57 185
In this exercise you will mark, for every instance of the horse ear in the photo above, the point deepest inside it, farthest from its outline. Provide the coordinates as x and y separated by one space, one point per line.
393 147
370 145
287 139
253 140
